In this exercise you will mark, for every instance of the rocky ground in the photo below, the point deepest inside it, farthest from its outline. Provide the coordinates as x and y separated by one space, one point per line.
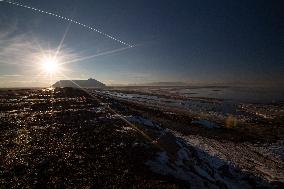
70 138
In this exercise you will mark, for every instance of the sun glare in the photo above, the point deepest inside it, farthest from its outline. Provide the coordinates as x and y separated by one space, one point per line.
50 65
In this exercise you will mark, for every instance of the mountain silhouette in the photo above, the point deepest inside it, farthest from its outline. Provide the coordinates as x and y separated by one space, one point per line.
90 83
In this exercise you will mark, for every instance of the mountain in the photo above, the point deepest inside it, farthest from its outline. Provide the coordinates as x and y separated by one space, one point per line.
90 83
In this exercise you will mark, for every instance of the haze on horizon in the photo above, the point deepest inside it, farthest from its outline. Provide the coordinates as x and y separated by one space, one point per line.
198 42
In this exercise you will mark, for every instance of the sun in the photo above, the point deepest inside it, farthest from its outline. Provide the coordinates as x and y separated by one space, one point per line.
50 65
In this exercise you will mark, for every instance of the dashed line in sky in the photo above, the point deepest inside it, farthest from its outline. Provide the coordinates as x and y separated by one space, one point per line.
68 19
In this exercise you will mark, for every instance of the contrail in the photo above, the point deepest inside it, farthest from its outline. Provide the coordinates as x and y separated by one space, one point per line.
96 55
67 19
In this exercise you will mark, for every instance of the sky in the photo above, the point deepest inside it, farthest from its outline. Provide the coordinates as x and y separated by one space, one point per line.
193 41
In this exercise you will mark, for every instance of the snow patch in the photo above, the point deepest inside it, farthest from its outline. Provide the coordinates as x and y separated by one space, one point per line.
142 121
199 168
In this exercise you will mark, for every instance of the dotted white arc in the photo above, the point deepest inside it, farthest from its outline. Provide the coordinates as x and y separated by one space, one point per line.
68 19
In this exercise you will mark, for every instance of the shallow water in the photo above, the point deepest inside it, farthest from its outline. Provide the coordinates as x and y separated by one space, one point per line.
238 94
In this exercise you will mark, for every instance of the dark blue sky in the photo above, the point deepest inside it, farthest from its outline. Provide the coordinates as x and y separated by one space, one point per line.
203 41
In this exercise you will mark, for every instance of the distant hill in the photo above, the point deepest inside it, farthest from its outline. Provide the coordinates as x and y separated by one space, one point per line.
90 83
162 84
